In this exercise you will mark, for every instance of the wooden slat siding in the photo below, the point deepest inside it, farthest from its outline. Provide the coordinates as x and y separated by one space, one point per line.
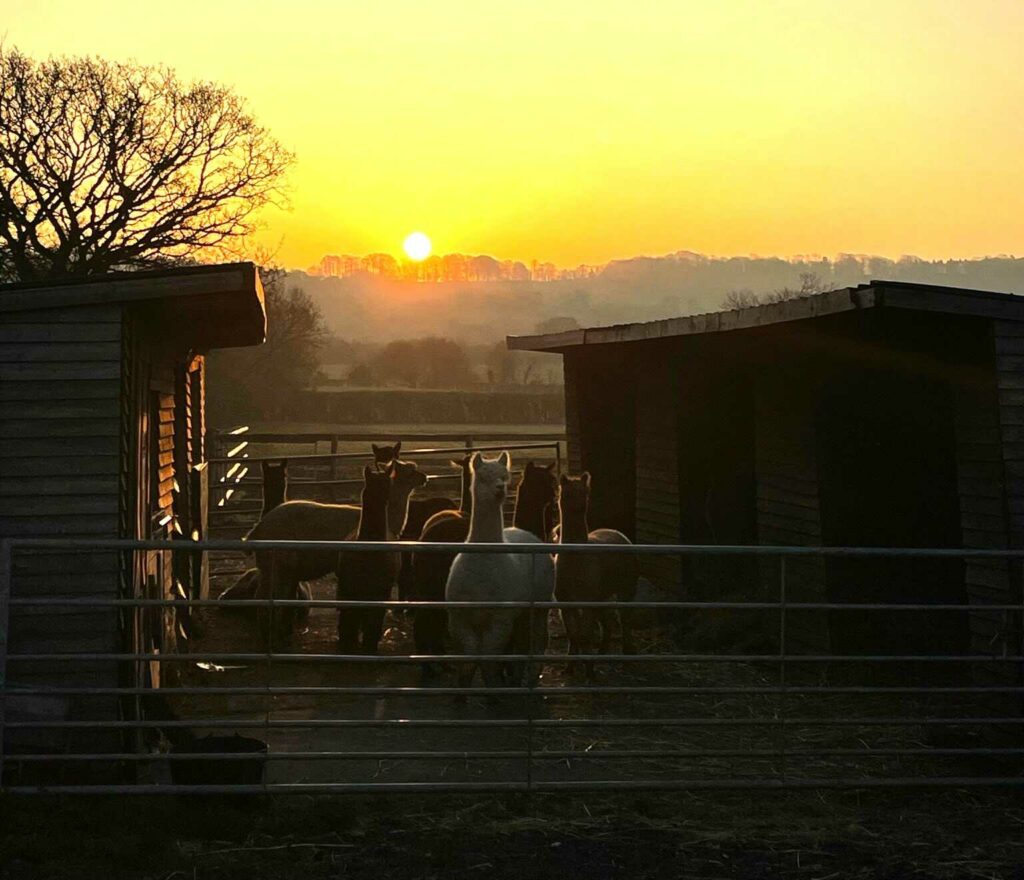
657 467
59 426
788 501
109 331
983 521
80 390
571 369
1008 341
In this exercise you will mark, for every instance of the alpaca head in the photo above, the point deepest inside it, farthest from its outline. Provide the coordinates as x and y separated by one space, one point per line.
384 455
406 475
490 477
539 483
574 497
376 487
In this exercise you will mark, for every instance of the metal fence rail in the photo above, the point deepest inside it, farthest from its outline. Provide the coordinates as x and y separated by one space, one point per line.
670 717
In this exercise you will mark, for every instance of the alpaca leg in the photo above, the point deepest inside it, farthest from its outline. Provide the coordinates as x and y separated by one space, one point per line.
372 625
428 634
466 642
628 620
607 620
286 587
348 627
495 641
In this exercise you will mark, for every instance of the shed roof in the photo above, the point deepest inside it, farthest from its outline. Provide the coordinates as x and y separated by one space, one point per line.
873 295
216 306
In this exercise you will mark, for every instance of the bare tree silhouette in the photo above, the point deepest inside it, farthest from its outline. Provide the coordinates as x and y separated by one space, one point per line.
109 166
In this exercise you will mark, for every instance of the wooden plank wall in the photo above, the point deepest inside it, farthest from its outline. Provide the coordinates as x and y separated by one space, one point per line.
60 426
1009 348
657 464
788 499
572 370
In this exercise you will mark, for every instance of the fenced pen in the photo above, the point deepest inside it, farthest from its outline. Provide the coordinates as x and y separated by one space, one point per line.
671 716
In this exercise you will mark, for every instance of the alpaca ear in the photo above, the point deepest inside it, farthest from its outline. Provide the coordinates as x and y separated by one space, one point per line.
398 448
474 462
529 467
505 460
375 448
585 477
454 463
551 467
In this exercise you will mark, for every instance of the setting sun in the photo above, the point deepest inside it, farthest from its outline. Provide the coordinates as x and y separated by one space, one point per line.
417 246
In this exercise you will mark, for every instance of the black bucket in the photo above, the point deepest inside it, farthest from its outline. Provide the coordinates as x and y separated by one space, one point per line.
221 771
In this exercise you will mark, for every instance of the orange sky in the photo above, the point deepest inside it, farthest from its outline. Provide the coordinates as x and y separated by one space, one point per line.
585 131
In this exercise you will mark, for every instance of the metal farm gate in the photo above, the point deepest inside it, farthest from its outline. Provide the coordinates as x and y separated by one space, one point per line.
714 698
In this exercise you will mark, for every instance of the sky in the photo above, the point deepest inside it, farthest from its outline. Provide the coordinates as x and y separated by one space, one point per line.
581 132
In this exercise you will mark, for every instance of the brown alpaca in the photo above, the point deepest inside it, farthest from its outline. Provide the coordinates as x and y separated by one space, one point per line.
366 576
429 571
583 578
281 571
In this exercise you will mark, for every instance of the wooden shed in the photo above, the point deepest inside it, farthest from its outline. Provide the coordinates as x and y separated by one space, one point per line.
885 415
102 436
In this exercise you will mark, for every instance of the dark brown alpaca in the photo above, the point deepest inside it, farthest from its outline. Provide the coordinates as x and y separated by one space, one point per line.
582 578
384 455
366 576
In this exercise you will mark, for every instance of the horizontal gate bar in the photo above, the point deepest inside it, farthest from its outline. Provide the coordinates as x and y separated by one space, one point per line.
565 755
98 602
547 658
540 690
509 722
98 545
307 788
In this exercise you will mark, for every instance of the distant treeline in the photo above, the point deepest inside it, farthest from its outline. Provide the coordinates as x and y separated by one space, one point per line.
481 309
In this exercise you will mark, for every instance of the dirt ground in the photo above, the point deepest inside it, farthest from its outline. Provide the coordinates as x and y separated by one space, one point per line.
949 834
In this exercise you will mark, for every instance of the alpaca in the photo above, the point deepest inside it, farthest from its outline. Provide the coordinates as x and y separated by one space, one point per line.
581 578
366 576
497 577
429 571
281 571
275 484
536 493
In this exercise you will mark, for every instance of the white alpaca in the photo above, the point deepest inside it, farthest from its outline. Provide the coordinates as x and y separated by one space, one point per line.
495 577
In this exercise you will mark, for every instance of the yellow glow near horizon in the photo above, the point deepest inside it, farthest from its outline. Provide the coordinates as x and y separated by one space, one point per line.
417 246
587 130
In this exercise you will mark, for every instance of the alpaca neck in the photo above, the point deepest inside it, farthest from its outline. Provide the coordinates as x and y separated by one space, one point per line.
486 523
373 523
398 508
573 529
529 515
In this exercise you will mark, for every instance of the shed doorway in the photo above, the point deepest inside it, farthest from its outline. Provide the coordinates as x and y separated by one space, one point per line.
887 475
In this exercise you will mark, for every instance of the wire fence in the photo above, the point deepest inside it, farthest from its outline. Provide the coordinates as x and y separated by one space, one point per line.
768 687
